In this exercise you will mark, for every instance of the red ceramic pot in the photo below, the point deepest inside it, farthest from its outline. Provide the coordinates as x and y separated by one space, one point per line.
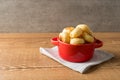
76 53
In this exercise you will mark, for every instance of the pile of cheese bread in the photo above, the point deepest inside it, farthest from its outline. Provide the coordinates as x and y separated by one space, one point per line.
81 34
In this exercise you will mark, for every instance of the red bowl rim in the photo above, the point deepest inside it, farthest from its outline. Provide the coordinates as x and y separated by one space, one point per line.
86 44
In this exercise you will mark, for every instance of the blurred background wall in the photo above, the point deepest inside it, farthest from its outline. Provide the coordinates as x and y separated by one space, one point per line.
54 15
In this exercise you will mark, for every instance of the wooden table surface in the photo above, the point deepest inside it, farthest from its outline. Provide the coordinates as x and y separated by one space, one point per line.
20 59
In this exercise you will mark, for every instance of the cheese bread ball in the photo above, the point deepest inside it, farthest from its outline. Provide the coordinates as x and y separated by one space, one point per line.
76 41
60 36
88 37
84 28
77 32
68 29
64 37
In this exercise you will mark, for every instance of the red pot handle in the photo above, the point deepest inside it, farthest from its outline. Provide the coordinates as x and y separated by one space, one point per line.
98 43
54 41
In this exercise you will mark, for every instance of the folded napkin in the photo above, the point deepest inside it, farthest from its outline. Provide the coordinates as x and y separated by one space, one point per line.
99 57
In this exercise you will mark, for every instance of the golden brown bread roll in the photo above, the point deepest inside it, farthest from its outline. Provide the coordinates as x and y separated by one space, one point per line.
78 35
60 36
64 36
77 41
88 37
84 28
68 29
77 32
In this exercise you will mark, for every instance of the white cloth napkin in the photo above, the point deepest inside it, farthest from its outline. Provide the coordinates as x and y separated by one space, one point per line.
99 57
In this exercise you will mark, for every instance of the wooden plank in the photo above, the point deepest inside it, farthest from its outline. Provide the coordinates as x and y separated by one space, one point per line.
39 35
26 35
24 57
59 74
43 39
31 57
20 59
25 43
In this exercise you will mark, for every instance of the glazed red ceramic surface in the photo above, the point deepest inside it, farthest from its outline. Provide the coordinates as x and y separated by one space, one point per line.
76 53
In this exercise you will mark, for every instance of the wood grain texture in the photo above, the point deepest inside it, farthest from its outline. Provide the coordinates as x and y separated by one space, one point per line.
20 59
